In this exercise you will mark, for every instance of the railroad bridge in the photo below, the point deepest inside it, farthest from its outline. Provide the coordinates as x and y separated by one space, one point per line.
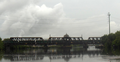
65 40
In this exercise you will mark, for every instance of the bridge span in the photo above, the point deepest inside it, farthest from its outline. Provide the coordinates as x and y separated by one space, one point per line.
65 40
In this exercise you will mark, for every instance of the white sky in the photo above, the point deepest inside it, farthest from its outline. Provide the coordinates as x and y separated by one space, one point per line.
87 18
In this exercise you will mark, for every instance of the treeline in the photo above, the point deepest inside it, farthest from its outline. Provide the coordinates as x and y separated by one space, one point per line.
1 44
109 41
112 40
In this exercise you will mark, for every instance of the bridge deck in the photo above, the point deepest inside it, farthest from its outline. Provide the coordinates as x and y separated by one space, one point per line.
52 40
57 42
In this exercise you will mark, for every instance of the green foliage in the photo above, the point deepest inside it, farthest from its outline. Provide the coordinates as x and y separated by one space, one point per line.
116 52
1 55
1 44
6 40
116 42
104 39
112 40
111 52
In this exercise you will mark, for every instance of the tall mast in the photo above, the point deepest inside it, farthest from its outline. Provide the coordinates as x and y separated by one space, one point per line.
109 21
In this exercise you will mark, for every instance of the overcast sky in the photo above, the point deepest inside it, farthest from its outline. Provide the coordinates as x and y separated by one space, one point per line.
42 18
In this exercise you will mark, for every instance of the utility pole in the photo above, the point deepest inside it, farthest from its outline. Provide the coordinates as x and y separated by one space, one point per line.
109 21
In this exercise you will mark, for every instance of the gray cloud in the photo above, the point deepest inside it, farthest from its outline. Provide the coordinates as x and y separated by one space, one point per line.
31 20
27 18
94 26
13 5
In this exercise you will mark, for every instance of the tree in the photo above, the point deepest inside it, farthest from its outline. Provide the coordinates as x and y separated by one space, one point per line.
116 42
1 44
107 40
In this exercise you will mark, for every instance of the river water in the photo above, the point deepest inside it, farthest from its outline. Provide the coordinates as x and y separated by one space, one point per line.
77 54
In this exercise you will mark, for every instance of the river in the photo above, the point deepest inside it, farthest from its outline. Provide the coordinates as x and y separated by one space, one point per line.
77 54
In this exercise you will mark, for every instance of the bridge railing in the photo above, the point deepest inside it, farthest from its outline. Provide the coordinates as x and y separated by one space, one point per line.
53 40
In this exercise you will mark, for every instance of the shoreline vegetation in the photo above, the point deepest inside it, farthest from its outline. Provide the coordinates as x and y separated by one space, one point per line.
1 44
110 41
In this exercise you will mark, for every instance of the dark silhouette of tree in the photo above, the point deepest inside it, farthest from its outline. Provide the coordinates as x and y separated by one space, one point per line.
1 44
112 40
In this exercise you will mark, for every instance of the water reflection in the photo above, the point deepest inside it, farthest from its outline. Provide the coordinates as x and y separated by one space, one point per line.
26 57
56 54
1 55
53 54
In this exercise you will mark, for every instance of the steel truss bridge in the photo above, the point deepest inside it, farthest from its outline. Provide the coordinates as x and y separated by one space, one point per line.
65 40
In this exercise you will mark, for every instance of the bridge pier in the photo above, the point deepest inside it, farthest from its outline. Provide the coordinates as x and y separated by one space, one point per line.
45 50
7 48
66 46
45 46
85 46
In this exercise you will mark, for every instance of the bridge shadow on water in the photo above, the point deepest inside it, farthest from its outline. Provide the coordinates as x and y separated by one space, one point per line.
52 53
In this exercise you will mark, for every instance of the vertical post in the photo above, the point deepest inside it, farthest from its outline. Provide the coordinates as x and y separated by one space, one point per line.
109 21
50 35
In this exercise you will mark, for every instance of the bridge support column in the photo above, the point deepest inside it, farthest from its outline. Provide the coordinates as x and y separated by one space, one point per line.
45 50
66 46
85 46
7 48
45 46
